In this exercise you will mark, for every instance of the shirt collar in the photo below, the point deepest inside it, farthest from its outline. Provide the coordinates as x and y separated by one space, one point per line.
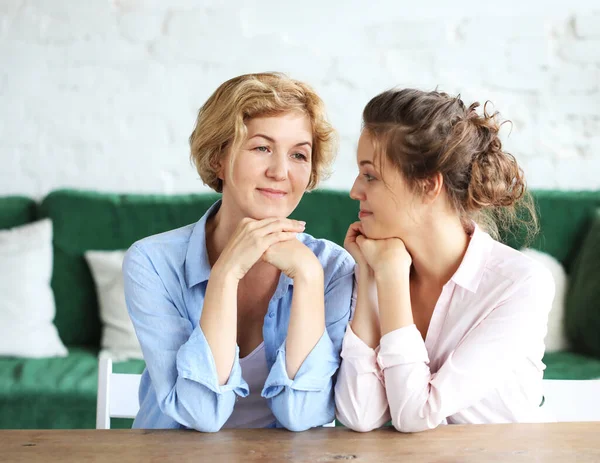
471 268
197 265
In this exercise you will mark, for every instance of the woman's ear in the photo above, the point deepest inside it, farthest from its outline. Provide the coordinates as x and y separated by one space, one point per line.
432 187
217 167
218 161
220 170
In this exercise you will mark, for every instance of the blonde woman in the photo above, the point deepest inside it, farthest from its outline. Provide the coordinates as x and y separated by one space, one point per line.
241 315
450 323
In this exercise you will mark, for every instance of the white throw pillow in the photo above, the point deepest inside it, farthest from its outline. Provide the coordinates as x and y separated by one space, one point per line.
556 339
118 336
27 307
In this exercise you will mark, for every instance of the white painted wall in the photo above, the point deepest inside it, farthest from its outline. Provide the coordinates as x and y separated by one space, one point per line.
103 94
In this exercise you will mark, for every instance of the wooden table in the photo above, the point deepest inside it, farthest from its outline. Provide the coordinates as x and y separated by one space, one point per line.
556 442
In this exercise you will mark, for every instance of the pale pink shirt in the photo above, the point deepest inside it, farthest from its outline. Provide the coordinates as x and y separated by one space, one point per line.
252 411
481 361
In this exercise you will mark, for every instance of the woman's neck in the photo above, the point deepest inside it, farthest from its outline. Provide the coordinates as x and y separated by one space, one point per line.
438 251
218 231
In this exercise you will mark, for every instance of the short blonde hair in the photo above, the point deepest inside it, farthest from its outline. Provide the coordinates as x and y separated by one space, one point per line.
221 122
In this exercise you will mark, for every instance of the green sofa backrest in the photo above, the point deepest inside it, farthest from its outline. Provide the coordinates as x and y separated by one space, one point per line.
100 221
85 221
564 218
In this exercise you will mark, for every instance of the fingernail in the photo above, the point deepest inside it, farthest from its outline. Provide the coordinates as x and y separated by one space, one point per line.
302 223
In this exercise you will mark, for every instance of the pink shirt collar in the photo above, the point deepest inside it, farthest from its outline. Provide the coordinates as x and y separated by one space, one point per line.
471 268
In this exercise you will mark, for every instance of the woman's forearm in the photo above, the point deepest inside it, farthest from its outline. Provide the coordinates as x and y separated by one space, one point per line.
393 296
365 323
307 319
219 320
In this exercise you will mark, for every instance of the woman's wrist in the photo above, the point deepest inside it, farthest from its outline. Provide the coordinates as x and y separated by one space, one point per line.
309 274
364 272
224 273
391 275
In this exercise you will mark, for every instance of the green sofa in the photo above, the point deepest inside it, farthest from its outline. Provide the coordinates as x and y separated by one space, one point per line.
61 392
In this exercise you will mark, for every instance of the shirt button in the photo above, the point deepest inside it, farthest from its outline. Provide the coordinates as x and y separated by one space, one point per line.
271 314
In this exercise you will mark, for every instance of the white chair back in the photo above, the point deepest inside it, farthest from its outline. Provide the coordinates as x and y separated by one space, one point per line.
573 400
117 394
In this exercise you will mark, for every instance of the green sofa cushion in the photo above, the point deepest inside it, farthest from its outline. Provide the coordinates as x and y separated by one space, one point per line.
582 312
570 365
54 392
99 221
16 210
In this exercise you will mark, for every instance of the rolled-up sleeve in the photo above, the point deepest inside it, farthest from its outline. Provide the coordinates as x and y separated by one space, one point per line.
177 355
307 400
360 398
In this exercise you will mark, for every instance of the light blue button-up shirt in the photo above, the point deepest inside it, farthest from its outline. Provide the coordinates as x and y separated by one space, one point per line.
165 279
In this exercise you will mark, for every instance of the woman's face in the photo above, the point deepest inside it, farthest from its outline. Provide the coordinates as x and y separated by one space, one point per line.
389 209
272 168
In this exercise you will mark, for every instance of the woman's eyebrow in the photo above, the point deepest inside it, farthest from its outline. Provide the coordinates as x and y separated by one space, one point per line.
304 143
272 140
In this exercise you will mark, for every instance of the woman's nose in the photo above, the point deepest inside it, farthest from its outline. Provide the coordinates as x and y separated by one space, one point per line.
278 167
355 192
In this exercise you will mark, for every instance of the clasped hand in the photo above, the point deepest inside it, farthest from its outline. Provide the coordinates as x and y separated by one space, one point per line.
274 240
377 255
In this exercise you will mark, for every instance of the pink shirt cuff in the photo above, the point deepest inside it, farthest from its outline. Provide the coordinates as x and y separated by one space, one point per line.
402 346
358 354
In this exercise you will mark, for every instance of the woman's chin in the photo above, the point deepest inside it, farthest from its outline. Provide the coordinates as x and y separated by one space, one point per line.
377 233
268 213
370 231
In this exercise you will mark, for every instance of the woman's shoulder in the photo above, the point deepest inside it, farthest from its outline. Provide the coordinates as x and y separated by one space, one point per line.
517 267
161 246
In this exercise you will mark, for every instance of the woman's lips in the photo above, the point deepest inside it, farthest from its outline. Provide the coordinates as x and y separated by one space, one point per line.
363 214
271 193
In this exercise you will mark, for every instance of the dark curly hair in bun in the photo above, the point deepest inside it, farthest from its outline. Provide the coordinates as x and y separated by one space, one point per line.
423 133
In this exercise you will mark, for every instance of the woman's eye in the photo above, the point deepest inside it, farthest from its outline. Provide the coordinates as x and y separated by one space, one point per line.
299 156
262 149
368 177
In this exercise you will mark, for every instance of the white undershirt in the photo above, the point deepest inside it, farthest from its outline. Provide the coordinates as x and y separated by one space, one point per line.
252 411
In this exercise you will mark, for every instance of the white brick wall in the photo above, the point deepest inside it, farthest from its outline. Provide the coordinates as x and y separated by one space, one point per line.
102 94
